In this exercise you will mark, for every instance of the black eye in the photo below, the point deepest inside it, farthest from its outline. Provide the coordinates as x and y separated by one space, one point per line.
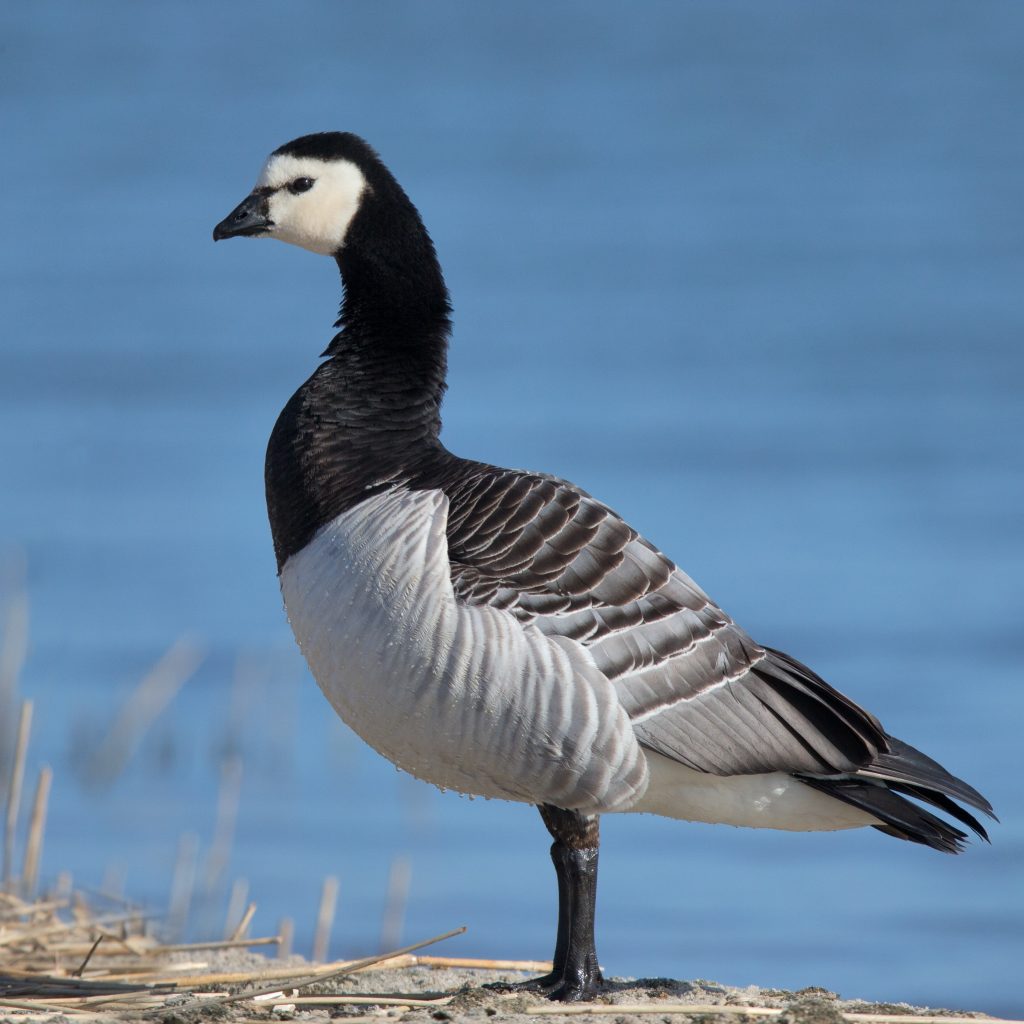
300 185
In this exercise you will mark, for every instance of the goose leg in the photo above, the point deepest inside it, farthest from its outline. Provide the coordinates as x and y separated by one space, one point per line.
575 973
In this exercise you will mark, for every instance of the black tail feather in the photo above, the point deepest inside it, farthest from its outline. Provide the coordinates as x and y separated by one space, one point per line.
881 788
899 817
904 763
944 803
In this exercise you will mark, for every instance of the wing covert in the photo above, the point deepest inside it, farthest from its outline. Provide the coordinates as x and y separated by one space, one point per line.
696 688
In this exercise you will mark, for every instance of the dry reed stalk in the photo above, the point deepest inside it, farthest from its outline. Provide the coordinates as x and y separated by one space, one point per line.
23 909
184 947
391 1001
17 1004
110 996
112 884
350 968
113 897
139 995
149 972
80 970
280 975
63 888
38 936
80 909
144 705
182 884
540 966
394 907
286 929
243 925
68 987
135 946
236 901
166 974
13 643
36 829
14 788
228 797
325 919
101 920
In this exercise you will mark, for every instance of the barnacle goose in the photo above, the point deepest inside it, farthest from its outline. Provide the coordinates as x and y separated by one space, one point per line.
503 633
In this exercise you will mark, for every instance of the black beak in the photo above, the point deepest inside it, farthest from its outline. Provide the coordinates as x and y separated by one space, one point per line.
250 217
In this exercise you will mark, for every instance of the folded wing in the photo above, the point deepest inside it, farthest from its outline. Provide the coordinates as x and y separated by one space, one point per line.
694 685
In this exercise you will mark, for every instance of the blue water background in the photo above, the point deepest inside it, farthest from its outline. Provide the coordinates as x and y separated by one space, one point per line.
749 272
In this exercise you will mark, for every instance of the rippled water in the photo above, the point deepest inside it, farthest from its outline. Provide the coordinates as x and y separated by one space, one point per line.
748 272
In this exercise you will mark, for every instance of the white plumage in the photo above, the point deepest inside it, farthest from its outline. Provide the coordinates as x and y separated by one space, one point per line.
462 696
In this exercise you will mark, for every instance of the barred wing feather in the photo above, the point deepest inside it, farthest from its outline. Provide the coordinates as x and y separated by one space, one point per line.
696 688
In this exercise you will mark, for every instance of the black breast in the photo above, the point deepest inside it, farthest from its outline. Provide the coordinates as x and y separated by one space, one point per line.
336 443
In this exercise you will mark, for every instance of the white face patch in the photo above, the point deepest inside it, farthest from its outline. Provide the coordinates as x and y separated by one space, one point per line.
318 218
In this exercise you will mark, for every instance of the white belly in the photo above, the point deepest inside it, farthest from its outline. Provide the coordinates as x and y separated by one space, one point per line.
771 800
464 697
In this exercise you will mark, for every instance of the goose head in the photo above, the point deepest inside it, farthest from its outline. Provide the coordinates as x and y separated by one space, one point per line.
307 194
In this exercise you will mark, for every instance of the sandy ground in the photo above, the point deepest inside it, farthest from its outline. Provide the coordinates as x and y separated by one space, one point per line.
459 995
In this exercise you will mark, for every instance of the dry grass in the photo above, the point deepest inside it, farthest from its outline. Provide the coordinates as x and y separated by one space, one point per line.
58 956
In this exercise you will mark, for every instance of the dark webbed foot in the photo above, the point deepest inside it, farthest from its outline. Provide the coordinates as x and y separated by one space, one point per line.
541 985
576 986
567 987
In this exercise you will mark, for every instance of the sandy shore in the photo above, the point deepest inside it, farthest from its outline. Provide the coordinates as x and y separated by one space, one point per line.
134 978
423 994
